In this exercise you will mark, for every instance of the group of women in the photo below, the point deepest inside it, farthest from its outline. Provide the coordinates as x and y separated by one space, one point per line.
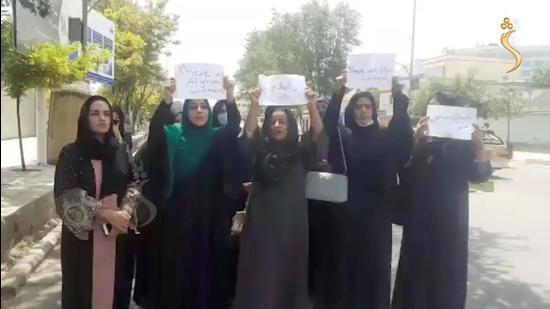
292 253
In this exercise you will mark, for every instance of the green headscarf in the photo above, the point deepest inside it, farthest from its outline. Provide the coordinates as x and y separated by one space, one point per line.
187 145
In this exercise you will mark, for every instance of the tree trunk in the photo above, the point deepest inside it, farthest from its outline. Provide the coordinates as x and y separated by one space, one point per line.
21 152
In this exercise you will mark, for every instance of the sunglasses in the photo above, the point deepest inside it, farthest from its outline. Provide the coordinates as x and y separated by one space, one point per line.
115 122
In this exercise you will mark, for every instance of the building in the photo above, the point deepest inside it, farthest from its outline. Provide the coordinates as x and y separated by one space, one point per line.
489 64
534 57
483 68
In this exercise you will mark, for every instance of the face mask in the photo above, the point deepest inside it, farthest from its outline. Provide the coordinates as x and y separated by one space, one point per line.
222 118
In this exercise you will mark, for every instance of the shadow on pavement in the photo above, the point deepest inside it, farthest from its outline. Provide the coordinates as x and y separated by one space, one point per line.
491 285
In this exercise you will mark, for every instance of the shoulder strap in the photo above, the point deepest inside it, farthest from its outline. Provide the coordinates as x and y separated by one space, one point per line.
342 151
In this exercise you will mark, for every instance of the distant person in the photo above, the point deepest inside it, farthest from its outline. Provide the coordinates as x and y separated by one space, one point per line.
433 265
119 130
93 198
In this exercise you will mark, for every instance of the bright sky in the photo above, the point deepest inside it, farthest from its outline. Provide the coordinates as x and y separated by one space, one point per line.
214 31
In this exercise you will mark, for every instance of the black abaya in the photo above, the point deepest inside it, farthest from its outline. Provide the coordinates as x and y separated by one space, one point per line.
433 265
373 156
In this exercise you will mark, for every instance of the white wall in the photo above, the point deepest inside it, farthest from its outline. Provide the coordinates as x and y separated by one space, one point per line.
9 116
530 129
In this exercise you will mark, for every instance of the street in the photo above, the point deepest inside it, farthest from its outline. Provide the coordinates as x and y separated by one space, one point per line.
509 245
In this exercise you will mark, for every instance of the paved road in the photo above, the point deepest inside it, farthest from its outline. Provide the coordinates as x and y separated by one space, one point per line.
509 246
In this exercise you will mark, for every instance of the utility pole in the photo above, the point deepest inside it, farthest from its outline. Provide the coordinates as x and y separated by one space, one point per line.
84 29
412 48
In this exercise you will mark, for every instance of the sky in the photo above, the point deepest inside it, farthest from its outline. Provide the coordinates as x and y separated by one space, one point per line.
214 31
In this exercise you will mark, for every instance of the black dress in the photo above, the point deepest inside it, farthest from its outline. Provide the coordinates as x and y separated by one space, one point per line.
149 171
433 265
189 274
373 157
74 186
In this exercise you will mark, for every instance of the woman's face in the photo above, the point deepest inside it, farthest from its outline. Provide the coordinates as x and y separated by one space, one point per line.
116 120
279 125
99 118
363 111
198 112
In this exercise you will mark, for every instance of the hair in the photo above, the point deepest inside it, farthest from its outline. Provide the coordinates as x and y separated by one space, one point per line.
185 121
292 137
349 114
84 133
121 117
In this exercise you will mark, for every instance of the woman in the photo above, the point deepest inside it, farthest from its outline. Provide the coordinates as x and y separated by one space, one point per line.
189 275
433 264
325 235
149 170
120 133
373 155
273 259
92 197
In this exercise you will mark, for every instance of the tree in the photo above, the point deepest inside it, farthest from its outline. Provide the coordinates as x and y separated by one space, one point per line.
47 66
509 102
143 33
541 78
466 88
314 42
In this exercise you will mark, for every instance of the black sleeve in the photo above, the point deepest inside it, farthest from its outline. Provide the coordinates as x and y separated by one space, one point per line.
72 202
162 116
332 114
399 134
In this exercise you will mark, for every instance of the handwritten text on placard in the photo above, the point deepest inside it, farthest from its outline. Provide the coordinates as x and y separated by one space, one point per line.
199 81
370 71
451 121
282 90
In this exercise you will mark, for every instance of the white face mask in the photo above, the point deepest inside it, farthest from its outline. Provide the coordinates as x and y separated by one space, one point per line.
222 118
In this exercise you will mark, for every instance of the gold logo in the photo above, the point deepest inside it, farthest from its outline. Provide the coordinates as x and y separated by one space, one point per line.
504 41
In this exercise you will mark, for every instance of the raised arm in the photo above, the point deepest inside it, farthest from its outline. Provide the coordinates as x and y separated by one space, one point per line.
332 114
316 121
252 118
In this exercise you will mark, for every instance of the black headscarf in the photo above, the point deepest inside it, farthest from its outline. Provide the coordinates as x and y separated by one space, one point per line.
113 156
365 140
216 111
277 157
121 118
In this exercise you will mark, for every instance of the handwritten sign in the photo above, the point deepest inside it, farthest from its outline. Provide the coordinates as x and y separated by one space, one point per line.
370 71
199 81
282 90
451 121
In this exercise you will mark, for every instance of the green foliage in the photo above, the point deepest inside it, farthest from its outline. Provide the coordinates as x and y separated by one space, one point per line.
467 88
507 102
143 33
47 66
314 42
541 78
7 38
53 68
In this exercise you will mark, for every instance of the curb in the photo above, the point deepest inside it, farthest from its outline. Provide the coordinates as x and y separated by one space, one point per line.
17 276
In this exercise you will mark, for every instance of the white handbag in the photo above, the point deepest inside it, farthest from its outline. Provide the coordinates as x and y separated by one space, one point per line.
329 187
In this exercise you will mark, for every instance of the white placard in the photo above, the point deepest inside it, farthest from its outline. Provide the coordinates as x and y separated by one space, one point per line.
371 71
451 121
199 81
282 90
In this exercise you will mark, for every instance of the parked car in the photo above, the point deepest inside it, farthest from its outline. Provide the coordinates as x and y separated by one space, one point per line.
497 151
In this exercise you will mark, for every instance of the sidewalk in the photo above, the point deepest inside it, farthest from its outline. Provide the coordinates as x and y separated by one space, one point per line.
27 203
